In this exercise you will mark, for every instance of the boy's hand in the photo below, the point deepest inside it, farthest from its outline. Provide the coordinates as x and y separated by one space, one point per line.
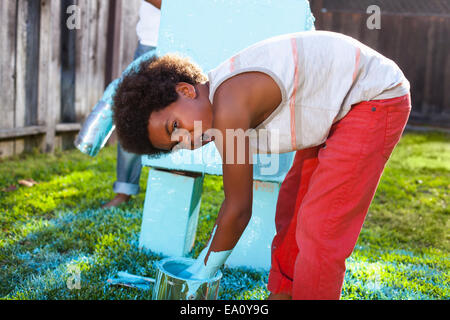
200 270
195 268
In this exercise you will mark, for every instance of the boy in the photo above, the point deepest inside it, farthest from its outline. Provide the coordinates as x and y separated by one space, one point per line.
340 104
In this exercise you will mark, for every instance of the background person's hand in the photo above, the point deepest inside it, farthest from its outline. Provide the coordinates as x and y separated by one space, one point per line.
156 3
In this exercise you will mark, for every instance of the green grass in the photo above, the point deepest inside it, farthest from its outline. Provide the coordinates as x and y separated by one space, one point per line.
46 230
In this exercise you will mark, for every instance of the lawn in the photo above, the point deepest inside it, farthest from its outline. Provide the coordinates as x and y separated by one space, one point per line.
57 225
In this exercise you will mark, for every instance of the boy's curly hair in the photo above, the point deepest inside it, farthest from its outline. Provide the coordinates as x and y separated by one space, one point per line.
151 87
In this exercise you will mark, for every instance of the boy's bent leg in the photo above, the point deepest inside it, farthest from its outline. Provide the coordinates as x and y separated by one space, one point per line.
340 191
284 247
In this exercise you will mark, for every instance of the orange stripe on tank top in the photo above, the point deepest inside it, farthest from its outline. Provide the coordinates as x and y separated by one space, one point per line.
358 57
232 64
294 93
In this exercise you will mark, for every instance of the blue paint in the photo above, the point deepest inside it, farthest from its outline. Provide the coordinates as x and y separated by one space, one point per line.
201 271
171 284
99 125
211 163
254 247
130 280
211 31
198 274
96 130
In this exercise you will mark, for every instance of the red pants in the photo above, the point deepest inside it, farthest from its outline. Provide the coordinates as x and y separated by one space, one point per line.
325 196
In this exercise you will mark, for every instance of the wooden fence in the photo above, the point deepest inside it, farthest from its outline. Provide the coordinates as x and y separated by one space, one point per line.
53 69
417 41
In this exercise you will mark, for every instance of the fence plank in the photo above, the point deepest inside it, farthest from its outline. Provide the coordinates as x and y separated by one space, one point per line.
92 58
27 58
53 109
430 51
102 35
7 71
369 37
21 132
352 24
68 52
46 40
446 67
415 64
81 61
327 22
438 93
129 38
389 41
99 13
113 19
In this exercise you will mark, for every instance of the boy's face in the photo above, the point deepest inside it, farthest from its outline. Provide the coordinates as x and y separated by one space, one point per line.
175 123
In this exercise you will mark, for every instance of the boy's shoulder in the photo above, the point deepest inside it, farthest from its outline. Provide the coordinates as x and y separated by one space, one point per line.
231 100
247 96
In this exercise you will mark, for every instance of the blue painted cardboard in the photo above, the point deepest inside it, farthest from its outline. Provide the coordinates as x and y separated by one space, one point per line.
253 248
207 160
171 208
211 31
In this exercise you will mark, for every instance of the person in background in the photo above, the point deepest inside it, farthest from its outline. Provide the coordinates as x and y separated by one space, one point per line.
129 167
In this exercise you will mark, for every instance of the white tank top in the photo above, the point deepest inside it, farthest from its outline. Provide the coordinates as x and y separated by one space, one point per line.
321 75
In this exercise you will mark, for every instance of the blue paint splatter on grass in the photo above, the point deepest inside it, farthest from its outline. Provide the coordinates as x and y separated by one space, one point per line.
102 242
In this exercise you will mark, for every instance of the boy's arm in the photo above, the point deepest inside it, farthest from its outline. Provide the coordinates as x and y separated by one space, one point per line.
236 209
